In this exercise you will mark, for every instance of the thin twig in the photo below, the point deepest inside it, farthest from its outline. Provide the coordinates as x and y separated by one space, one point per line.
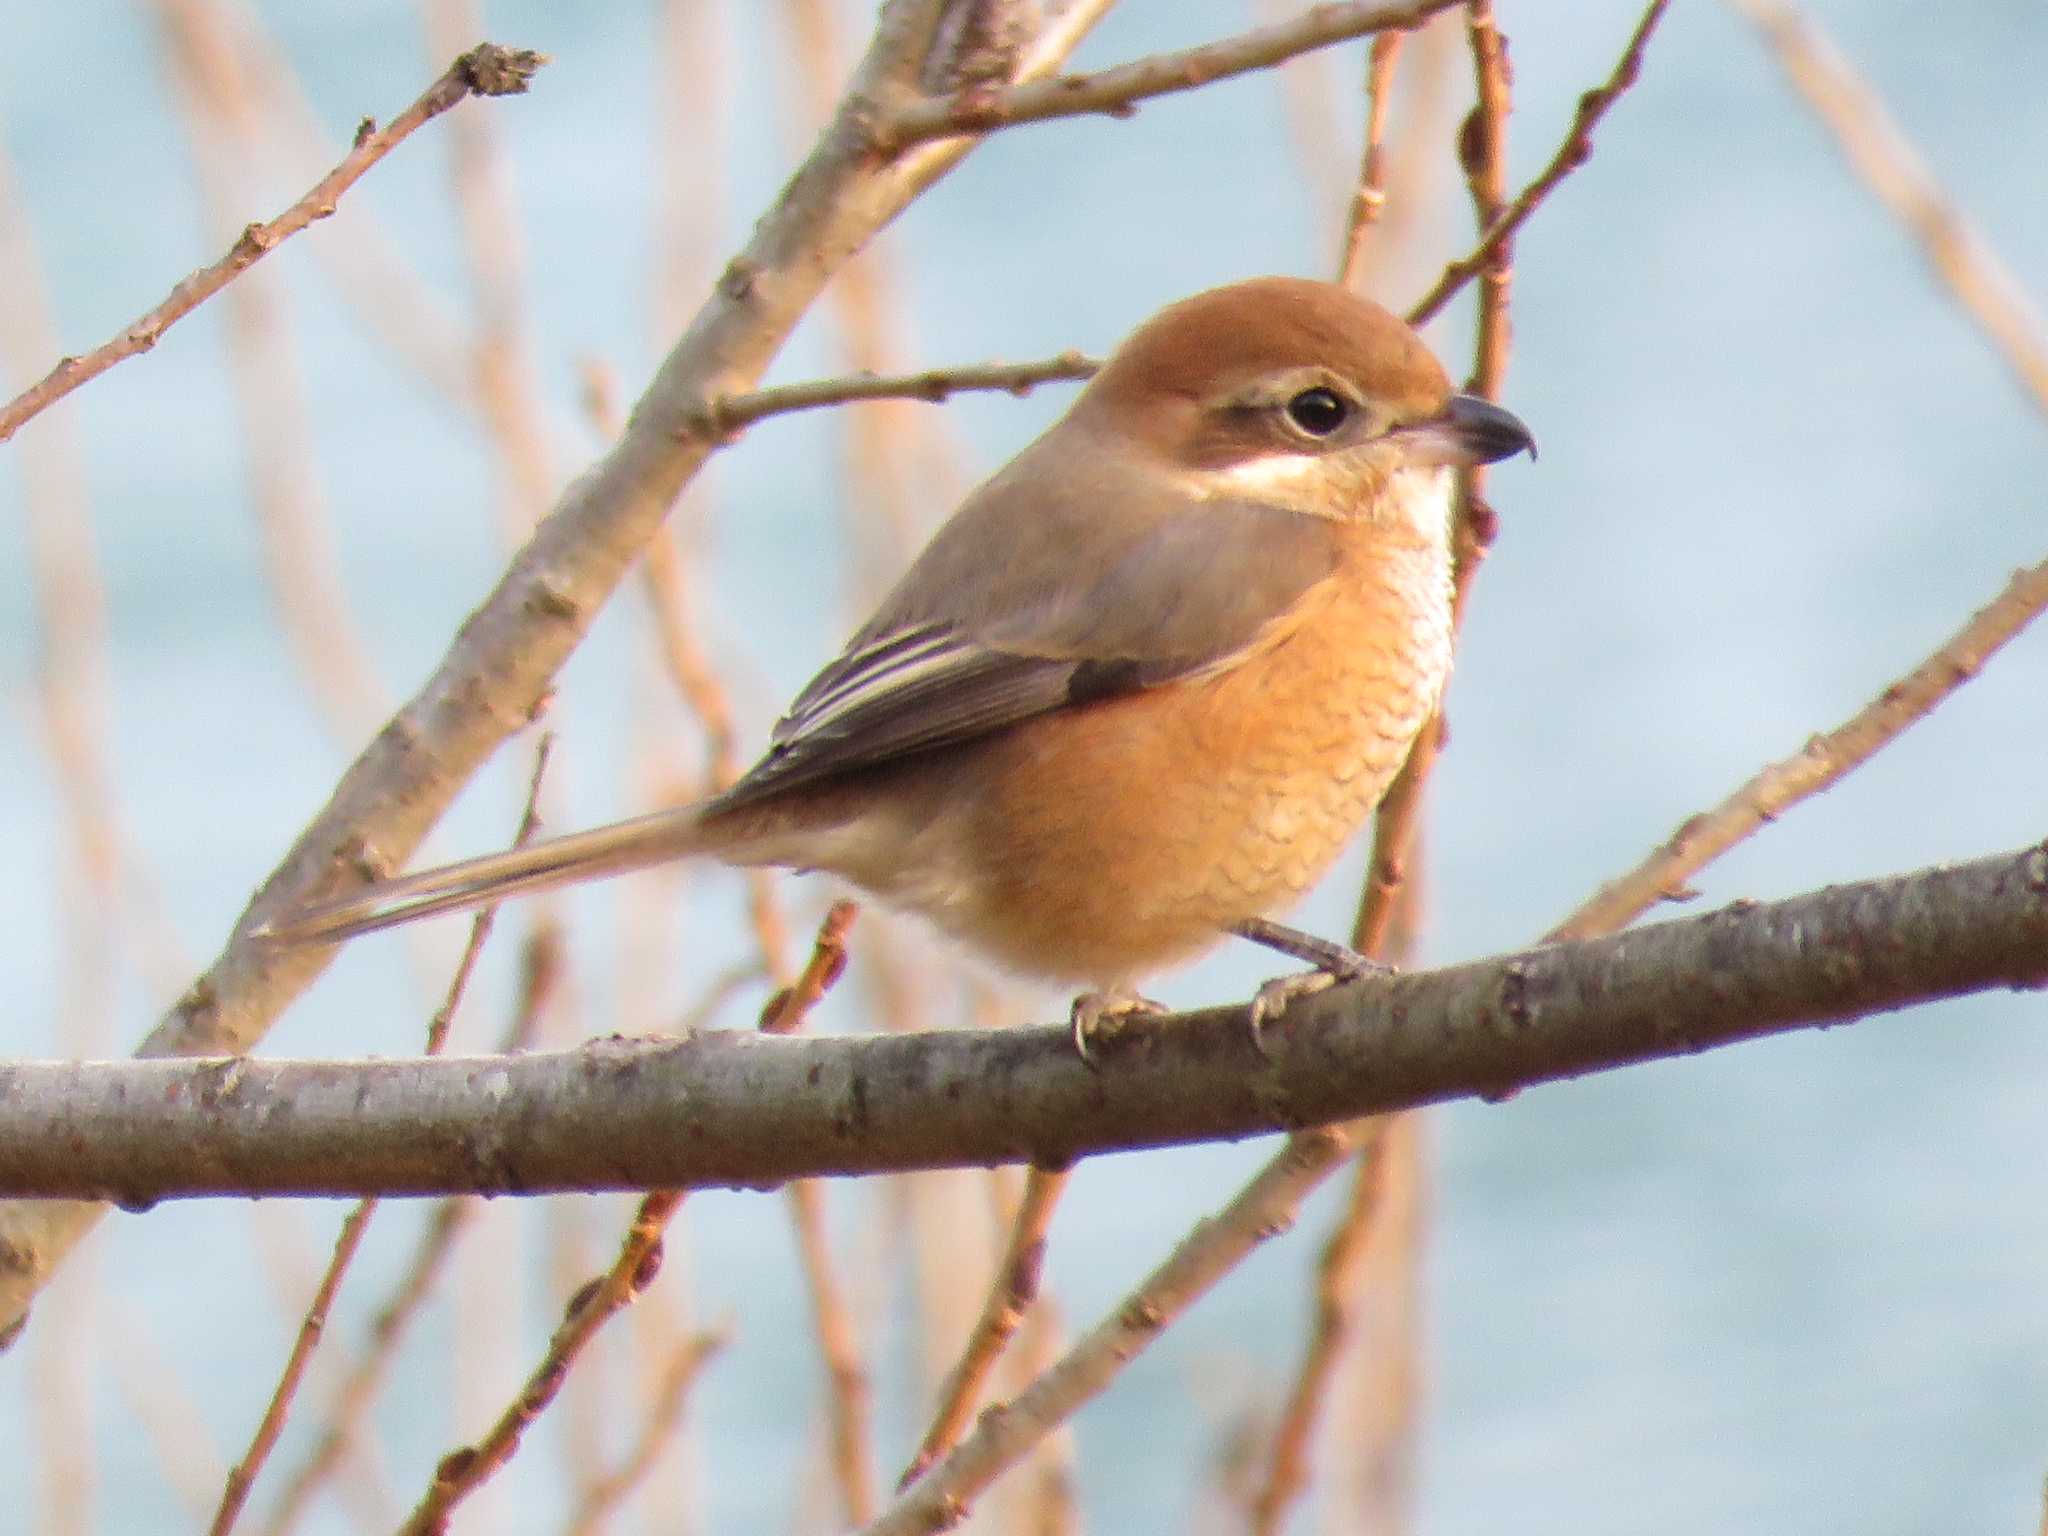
540 968
1574 152
730 413
785 1012
664 1417
847 1392
1482 153
235 1492
1117 91
1336 1299
1821 763
848 1396
696 681
1369 195
390 298
1011 1293
1891 167
501 347
300 559
462 1472
72 698
486 70
1005 1434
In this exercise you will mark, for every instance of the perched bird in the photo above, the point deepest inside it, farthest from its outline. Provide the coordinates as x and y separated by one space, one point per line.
1140 689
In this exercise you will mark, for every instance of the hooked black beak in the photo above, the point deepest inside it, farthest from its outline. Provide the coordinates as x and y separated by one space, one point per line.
1474 431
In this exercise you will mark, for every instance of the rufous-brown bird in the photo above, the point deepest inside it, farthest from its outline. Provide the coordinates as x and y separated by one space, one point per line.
1140 689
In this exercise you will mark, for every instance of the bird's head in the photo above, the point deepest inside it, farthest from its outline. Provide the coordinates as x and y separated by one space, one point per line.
1292 393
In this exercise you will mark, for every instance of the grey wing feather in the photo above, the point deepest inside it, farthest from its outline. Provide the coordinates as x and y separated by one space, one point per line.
1186 593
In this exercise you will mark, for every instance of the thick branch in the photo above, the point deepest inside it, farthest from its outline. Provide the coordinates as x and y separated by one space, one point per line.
743 1109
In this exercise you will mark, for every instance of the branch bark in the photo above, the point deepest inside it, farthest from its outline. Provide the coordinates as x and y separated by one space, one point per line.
743 1109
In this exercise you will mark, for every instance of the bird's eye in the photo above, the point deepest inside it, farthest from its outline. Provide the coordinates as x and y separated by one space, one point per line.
1318 411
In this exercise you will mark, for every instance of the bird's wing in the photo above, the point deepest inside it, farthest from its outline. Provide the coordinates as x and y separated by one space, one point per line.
961 649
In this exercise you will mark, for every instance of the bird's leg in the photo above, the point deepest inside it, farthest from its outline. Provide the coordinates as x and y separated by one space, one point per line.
1333 963
1091 1008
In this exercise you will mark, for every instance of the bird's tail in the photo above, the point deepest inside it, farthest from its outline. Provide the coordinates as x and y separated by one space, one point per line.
628 845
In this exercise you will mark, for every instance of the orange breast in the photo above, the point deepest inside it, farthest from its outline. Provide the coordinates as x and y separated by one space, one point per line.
1112 841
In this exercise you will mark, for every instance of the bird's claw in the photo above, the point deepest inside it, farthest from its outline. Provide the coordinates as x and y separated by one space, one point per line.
1337 963
1091 1009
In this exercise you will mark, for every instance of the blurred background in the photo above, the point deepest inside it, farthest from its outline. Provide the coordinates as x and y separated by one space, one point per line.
1793 1285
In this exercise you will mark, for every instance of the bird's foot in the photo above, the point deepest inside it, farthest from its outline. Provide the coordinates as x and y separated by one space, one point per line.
1092 1009
1333 963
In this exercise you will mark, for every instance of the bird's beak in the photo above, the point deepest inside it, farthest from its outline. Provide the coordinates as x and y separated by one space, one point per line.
1471 431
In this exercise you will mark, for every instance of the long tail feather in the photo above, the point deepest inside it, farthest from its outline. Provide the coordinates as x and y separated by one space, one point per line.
478 882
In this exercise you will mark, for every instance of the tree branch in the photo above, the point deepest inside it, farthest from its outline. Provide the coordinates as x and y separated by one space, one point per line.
731 413
1574 152
1118 91
742 1109
486 70
502 662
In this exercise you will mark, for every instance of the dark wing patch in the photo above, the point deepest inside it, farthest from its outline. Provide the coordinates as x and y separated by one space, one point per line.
908 693
1189 592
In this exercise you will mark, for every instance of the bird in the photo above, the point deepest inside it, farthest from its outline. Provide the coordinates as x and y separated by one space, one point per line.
1139 690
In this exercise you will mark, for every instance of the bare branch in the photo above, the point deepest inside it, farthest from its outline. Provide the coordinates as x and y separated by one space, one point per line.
1823 761
728 1108
1010 1296
486 70
1574 152
665 1416
731 413
1118 91
1887 163
541 964
1265 1208
464 1471
235 1491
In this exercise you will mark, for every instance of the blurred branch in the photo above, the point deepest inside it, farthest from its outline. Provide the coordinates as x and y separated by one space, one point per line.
501 345
725 1108
1369 192
1337 1272
486 70
847 1392
664 1418
235 1491
540 968
1888 164
1118 91
1574 152
1266 1207
463 1471
1010 1296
